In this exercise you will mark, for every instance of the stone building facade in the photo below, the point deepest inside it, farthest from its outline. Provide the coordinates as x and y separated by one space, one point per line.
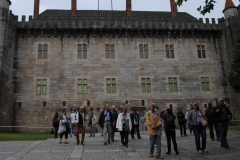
68 58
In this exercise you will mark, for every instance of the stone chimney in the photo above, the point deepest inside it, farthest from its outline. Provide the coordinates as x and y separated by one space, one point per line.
36 9
230 9
174 10
128 9
74 8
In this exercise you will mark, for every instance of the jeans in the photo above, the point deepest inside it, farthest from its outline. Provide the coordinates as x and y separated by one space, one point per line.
133 130
73 129
171 134
182 127
210 125
223 128
92 130
78 127
107 132
198 131
155 139
124 137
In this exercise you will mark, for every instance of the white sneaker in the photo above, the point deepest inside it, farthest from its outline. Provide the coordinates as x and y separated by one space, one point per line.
205 151
200 152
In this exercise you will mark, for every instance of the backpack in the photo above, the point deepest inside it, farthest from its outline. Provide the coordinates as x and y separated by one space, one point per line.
169 122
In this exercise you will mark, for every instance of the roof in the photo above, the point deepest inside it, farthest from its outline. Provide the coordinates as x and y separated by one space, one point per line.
229 4
108 14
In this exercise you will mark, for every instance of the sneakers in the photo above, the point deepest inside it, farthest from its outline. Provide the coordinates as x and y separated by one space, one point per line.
200 152
204 151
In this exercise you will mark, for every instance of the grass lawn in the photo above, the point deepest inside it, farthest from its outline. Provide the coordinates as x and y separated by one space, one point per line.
24 137
236 128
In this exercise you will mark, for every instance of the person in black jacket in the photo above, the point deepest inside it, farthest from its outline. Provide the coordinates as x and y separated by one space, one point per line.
212 122
169 126
106 122
115 116
222 116
135 123
181 121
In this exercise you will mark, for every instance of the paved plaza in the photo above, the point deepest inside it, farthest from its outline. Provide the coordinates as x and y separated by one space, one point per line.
95 150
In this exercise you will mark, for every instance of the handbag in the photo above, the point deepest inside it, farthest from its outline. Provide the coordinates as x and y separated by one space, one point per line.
52 131
204 122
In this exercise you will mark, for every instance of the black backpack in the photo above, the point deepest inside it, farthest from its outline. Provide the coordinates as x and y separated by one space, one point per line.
169 122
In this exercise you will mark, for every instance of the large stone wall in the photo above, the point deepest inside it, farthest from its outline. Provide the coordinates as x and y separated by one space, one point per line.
63 68
6 63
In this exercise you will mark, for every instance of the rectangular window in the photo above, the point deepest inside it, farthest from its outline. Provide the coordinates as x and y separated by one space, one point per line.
42 51
111 85
126 102
172 83
82 86
41 86
82 51
146 85
201 51
205 84
143 50
110 52
44 104
88 103
169 51
143 102
19 105
64 103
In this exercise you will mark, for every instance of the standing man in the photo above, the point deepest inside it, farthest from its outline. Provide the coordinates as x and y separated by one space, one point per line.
81 118
181 121
154 123
73 123
135 123
186 118
115 117
222 117
106 121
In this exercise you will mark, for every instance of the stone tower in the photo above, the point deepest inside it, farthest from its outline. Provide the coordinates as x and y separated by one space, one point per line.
6 64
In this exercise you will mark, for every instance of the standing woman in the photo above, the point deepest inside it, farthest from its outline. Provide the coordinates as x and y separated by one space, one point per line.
124 125
181 121
63 122
55 124
194 119
211 121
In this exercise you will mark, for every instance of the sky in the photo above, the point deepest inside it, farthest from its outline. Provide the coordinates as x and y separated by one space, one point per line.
25 7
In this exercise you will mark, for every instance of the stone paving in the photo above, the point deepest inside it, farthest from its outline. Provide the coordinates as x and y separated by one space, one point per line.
95 150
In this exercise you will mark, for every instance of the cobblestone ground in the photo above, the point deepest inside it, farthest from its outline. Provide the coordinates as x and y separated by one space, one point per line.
95 150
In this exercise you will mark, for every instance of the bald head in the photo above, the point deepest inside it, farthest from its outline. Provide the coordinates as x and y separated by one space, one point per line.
81 108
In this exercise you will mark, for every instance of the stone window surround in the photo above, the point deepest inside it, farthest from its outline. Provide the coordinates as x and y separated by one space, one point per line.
62 104
143 50
178 85
76 95
150 94
200 85
140 41
206 52
34 84
35 51
82 85
175 45
109 49
105 87
82 50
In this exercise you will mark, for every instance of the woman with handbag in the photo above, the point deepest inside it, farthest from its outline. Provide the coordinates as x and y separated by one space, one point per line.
124 125
63 126
198 122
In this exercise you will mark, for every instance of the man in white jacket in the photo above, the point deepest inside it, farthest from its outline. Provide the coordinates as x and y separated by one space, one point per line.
81 118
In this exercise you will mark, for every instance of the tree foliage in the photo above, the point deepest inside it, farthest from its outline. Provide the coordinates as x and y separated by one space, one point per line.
207 8
234 72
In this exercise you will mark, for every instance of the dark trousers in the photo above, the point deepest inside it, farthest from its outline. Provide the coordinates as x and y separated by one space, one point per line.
223 128
124 137
113 133
56 131
80 127
171 134
182 127
133 130
210 125
64 133
190 128
198 131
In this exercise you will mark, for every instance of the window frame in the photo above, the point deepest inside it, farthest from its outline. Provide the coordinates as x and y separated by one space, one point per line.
201 51
110 51
173 85
83 85
143 51
205 85
42 51
169 49
82 51
111 86
146 85
41 86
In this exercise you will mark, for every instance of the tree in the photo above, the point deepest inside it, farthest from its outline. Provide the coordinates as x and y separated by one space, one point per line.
209 5
234 72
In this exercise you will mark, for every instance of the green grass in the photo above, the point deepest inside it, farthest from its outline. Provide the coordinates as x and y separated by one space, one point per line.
235 128
24 137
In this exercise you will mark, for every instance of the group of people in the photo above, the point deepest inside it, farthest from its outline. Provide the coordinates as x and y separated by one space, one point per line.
110 121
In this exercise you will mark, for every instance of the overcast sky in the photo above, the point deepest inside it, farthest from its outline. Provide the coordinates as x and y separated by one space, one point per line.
25 7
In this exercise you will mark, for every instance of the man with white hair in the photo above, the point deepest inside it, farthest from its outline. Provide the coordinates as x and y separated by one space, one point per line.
80 118
222 116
